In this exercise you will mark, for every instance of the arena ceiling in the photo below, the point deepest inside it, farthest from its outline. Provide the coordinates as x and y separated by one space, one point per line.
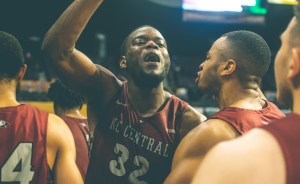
30 19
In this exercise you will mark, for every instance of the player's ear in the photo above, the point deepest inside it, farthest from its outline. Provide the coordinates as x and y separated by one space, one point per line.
228 67
294 67
123 62
21 72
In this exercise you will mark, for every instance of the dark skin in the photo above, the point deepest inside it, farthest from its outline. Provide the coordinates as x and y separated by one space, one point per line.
80 73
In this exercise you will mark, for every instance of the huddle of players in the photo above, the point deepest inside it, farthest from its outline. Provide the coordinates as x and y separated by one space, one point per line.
143 133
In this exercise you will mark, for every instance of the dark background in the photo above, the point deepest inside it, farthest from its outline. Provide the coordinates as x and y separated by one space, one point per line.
188 42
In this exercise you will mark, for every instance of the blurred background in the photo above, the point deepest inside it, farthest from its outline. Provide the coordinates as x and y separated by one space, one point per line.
189 26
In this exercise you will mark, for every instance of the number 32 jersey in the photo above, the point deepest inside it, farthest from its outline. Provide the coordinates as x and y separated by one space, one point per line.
23 145
129 148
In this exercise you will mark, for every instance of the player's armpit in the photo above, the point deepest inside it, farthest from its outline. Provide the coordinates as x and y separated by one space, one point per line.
190 119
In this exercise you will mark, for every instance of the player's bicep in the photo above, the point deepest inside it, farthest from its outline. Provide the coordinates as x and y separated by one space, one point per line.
224 163
213 168
92 80
189 147
183 172
188 155
201 139
77 71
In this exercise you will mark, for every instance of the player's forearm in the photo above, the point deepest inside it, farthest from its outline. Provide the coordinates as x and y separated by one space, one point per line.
62 36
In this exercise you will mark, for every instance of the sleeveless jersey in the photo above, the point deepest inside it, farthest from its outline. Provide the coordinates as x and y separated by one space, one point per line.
244 120
23 131
80 131
286 132
129 148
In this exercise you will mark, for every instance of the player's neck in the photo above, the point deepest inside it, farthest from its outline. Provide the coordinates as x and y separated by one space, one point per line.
243 98
145 94
8 95
74 113
146 101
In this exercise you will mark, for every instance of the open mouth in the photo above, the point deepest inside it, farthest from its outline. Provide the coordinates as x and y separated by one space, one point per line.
152 57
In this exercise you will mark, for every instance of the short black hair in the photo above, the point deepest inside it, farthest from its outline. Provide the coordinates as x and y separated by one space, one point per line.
296 29
64 97
125 41
11 56
250 51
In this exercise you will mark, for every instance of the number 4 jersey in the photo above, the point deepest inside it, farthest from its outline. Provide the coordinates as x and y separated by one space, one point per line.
129 148
23 145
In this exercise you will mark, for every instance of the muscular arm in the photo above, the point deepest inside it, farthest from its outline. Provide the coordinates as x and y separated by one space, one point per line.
194 146
61 152
73 67
254 158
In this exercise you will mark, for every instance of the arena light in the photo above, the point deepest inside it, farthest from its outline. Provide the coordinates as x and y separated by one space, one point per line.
224 11
282 2
217 5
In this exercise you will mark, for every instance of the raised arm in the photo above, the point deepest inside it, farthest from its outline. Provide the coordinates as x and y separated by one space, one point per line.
61 152
194 146
73 67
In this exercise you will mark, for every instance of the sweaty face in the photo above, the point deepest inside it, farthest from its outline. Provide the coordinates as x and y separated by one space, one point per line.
208 80
147 57
282 62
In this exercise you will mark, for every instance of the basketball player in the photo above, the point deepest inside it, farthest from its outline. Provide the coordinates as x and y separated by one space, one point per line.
67 105
232 72
36 147
269 154
139 124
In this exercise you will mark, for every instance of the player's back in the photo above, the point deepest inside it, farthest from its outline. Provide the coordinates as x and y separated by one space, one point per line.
80 130
286 132
23 145
243 120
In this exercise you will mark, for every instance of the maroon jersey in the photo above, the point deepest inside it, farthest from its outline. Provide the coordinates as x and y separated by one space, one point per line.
287 133
23 131
80 131
244 120
129 148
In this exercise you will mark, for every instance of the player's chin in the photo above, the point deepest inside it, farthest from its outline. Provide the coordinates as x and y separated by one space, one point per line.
199 84
201 88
